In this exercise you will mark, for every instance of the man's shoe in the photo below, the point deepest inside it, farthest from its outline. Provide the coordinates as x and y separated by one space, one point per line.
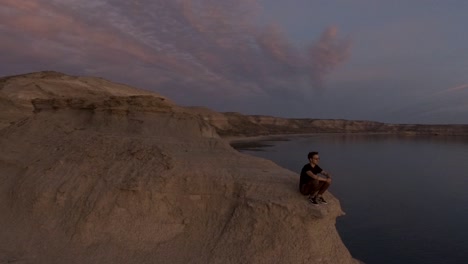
313 200
321 200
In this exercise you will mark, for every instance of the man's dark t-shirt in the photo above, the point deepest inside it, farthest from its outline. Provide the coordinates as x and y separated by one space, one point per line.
306 178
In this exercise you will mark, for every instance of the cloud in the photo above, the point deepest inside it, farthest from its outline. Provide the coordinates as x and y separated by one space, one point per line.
445 106
327 53
179 47
454 89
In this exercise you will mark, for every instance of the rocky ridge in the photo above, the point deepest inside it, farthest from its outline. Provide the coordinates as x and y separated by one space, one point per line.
96 172
235 124
17 92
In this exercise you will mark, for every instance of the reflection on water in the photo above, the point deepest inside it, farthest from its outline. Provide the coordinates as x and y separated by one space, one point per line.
405 197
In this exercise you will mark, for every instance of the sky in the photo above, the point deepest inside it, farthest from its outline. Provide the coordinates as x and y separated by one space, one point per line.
388 61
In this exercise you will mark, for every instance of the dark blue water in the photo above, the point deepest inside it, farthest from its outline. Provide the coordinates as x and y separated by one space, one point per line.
405 198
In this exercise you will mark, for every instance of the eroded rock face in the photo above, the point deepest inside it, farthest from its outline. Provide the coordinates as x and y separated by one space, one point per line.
136 179
17 92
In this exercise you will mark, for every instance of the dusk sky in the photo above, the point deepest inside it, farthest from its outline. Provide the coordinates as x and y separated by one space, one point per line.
399 61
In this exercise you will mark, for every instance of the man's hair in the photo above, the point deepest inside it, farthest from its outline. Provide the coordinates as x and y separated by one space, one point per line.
311 154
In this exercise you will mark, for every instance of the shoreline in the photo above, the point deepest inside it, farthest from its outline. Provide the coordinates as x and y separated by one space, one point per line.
287 137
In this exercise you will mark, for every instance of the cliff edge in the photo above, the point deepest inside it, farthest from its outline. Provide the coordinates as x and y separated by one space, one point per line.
121 175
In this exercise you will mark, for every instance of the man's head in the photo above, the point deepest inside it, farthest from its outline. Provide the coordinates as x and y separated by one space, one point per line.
313 157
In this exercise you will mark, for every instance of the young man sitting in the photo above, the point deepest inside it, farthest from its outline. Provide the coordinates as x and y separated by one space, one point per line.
311 183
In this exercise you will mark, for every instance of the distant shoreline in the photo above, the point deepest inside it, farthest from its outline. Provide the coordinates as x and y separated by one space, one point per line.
256 143
286 137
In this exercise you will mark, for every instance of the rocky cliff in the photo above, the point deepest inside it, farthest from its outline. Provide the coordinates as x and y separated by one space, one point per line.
17 92
236 124
96 172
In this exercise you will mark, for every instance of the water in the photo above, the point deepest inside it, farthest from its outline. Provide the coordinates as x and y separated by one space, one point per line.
405 198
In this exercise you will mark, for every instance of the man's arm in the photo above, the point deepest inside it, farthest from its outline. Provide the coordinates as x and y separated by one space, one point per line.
326 174
316 177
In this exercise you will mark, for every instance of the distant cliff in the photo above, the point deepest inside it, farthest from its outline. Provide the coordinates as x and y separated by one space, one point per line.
236 124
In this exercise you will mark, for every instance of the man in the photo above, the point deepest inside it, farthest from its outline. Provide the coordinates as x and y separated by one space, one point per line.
311 183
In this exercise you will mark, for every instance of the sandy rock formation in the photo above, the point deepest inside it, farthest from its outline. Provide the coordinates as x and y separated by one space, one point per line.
135 179
16 92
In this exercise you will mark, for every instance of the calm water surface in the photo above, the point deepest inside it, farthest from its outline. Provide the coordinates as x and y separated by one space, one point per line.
405 198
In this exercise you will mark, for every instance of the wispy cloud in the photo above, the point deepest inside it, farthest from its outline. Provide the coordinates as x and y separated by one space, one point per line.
454 89
180 46
328 53
445 106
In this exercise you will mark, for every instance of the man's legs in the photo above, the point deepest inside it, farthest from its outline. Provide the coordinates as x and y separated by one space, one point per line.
313 187
309 188
323 187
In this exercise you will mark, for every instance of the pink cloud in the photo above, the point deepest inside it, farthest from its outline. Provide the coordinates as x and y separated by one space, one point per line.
273 41
458 88
40 21
327 53
188 44
22 5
